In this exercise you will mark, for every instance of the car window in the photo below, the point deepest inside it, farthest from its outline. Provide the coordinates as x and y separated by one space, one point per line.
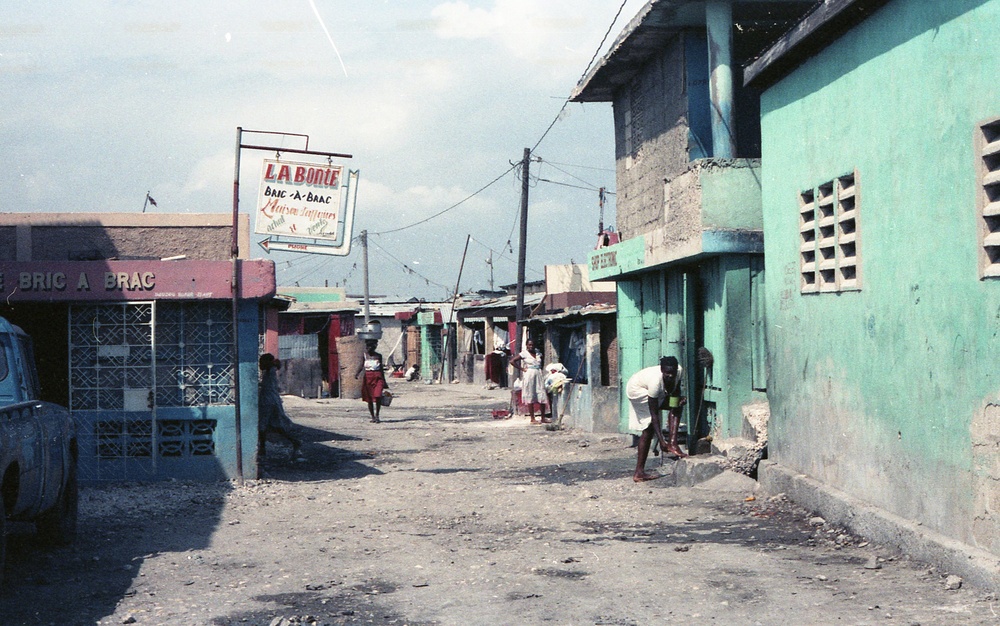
4 348
28 359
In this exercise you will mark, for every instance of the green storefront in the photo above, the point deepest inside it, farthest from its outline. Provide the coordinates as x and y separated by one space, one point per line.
705 308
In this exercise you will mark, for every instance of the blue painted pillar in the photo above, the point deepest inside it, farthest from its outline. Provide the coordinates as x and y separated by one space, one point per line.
719 20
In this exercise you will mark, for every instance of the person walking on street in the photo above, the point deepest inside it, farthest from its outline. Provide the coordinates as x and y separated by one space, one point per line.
272 419
650 391
374 384
529 361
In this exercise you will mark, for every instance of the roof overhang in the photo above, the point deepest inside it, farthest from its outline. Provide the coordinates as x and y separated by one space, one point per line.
818 29
645 35
660 20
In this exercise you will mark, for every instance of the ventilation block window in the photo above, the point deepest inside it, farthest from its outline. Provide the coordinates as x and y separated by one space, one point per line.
829 232
988 147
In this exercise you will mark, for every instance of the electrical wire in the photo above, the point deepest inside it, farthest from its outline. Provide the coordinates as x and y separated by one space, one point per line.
592 59
457 204
406 267
586 182
556 182
585 167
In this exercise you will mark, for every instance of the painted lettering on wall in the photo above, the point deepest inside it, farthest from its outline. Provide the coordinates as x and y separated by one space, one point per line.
57 281
123 281
604 260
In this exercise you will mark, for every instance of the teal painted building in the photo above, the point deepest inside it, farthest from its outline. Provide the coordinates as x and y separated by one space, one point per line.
880 123
689 268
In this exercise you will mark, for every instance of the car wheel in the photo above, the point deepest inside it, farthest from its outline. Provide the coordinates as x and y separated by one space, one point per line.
58 524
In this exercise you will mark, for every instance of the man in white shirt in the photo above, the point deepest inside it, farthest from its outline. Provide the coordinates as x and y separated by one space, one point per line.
650 391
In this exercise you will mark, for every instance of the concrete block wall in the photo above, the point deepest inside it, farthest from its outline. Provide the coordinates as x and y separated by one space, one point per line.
656 104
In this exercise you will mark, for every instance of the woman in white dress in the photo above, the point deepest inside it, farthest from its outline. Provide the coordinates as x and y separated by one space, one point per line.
532 382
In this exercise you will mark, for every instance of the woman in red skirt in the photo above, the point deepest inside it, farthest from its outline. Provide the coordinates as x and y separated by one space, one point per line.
374 382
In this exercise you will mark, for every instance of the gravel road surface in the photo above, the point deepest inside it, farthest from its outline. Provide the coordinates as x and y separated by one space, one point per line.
443 515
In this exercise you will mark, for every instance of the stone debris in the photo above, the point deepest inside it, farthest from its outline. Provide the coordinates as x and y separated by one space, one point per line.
953 582
873 563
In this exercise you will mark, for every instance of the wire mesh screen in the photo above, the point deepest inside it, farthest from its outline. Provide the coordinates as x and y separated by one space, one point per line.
130 360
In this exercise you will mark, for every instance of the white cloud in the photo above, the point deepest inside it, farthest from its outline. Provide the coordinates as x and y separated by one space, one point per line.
210 172
527 28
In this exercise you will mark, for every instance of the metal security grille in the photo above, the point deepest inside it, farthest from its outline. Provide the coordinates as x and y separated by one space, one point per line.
194 364
137 370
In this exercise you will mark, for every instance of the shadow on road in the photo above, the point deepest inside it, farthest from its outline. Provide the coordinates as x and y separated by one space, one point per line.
120 526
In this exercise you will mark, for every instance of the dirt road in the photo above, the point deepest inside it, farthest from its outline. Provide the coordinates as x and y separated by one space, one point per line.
443 515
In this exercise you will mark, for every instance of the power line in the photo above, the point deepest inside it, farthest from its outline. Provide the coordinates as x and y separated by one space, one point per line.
556 182
460 202
586 182
596 52
406 267
585 167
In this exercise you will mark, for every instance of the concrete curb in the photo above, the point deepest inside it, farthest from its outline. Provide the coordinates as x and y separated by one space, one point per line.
974 565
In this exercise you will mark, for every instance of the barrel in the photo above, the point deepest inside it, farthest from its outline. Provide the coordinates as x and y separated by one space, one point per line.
351 350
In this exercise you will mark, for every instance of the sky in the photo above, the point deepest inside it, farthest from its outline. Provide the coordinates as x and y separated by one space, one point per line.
103 101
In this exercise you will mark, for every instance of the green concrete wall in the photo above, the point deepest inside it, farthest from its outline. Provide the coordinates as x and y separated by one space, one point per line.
730 194
887 392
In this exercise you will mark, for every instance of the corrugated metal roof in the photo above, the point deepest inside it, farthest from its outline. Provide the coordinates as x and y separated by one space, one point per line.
586 311
818 29
321 307
483 308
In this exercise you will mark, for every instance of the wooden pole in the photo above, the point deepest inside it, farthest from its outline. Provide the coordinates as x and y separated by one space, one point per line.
522 250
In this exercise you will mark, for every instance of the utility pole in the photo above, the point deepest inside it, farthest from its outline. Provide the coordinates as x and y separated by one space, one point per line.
489 262
446 350
521 253
364 273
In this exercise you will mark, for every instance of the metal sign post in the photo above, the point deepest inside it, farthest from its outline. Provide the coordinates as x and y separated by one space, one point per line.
319 176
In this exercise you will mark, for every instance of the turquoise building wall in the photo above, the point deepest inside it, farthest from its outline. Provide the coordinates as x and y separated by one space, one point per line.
890 392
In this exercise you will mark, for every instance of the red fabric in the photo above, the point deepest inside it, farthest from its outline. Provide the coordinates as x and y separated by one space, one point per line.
372 387
494 367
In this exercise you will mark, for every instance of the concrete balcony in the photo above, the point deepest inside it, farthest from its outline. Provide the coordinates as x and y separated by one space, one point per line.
712 208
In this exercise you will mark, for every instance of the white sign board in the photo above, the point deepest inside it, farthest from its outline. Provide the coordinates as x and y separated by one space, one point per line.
301 200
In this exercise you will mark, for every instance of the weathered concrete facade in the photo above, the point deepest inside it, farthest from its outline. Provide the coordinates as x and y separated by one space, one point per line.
78 237
689 269
133 322
883 306
651 139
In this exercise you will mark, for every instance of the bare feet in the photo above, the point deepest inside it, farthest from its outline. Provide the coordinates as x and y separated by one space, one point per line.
643 477
675 452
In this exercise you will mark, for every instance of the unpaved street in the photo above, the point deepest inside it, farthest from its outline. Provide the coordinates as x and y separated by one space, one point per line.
443 515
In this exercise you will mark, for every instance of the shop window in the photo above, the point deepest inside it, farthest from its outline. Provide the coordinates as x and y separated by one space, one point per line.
988 150
194 364
829 236
127 361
